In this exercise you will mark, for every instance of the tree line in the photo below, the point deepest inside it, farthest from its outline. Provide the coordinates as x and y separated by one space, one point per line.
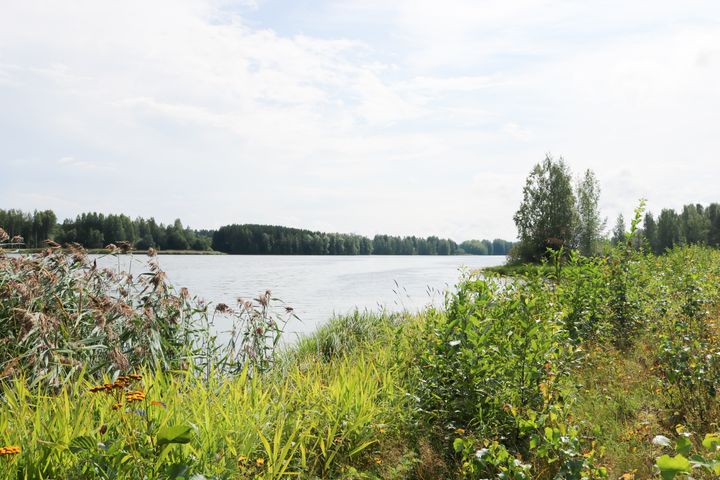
277 240
486 247
696 224
97 230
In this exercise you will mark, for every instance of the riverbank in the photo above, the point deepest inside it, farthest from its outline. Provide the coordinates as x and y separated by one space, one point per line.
105 251
608 371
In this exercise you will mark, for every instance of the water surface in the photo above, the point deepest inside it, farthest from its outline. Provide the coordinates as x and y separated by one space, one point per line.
317 287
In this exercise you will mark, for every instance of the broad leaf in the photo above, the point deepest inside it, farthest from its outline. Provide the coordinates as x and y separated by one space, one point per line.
176 434
671 466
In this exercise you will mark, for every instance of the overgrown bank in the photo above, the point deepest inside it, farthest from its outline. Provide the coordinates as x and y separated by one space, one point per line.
571 374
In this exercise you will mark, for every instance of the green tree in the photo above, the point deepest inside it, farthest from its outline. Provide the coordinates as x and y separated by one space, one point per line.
547 216
695 225
618 234
669 232
650 232
590 225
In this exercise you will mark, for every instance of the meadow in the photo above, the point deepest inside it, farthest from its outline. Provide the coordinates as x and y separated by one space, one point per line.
603 367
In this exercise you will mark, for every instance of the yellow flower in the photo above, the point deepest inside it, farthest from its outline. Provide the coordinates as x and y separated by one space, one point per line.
260 462
460 431
9 450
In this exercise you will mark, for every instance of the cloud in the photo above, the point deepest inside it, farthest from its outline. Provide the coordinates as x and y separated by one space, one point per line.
407 117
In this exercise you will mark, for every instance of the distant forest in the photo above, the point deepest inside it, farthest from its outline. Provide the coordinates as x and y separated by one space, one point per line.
96 230
696 224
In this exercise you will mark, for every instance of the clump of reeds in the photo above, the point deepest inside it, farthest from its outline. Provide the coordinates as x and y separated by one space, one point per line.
61 314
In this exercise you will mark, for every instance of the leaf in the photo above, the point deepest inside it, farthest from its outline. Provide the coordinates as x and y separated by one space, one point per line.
82 443
683 446
458 445
176 434
671 466
711 441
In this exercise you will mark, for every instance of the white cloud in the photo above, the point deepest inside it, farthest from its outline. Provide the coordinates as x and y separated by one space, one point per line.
417 118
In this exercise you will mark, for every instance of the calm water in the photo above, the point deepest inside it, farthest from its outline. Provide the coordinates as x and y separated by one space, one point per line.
317 287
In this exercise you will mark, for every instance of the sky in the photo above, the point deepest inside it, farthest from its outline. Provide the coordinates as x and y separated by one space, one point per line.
371 116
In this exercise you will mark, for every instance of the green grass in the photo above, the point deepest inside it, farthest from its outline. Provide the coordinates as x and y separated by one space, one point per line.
316 419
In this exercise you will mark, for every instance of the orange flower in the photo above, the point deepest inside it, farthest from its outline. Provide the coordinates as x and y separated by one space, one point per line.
9 450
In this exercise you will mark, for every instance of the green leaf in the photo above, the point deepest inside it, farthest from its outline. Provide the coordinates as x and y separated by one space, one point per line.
82 443
176 434
711 442
458 445
671 466
683 446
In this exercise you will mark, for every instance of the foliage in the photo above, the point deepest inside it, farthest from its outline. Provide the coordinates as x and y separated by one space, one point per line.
695 225
547 217
486 247
590 225
707 460
26 228
567 371
276 240
619 231
495 368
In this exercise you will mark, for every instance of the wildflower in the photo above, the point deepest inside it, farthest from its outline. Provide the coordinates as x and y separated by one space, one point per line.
135 396
378 460
460 431
260 462
242 459
9 450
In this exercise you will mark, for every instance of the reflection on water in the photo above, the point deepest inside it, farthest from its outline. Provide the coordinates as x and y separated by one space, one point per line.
315 286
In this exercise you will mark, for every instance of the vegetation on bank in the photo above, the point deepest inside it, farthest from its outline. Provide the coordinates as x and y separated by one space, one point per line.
94 231
555 214
602 367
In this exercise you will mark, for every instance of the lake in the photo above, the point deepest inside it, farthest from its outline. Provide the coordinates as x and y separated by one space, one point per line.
317 287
